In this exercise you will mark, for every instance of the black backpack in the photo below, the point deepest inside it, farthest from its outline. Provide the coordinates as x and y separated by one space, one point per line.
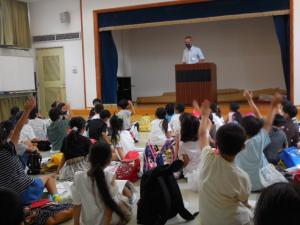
161 198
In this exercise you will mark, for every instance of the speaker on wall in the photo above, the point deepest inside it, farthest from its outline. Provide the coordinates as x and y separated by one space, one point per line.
65 17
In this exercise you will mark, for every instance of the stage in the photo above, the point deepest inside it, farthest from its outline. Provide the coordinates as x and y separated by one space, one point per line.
149 109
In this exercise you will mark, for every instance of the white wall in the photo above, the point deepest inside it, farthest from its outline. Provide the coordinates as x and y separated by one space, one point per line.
44 18
297 52
246 52
88 7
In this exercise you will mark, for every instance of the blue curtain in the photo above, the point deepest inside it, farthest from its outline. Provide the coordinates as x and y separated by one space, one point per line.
190 11
109 61
282 27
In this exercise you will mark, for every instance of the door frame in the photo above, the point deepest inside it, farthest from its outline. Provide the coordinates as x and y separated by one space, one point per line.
37 74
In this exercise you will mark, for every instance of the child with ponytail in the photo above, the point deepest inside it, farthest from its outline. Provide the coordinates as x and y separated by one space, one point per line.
95 193
75 148
160 129
121 139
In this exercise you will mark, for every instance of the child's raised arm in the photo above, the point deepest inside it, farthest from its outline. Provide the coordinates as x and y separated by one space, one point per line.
28 107
205 124
276 101
249 96
131 106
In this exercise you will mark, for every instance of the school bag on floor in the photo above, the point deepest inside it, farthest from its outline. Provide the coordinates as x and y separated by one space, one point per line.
158 156
145 124
290 157
129 167
160 196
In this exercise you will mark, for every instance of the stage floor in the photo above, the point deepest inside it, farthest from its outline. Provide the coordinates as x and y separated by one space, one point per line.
149 109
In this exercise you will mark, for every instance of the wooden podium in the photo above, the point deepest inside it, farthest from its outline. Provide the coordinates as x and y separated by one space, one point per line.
196 81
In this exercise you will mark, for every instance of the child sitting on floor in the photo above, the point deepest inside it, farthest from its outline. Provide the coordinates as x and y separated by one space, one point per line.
160 129
224 188
252 158
234 116
12 175
170 109
217 116
290 128
278 141
75 148
95 194
57 130
121 139
97 128
127 109
189 149
175 122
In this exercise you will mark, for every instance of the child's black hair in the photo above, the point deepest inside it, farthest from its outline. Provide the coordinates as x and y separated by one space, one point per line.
105 114
189 129
161 114
33 114
170 107
230 139
12 210
183 116
77 124
116 125
98 108
252 125
97 101
123 103
216 109
14 110
234 107
54 114
290 109
278 204
279 120
180 108
5 129
100 156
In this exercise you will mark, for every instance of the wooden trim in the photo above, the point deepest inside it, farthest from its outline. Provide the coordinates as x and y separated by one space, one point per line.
149 5
197 20
82 49
97 56
292 62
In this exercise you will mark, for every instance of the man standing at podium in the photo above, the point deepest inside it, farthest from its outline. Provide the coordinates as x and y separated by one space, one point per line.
191 54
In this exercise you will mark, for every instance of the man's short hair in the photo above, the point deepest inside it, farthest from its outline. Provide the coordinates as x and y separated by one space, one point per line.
230 139
188 37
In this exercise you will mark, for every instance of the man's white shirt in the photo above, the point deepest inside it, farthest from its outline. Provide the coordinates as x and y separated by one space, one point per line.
192 55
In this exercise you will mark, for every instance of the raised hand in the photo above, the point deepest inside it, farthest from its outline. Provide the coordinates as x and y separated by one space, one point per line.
277 99
248 95
29 104
205 109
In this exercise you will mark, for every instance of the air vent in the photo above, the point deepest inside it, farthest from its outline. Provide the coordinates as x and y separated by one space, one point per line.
44 38
56 37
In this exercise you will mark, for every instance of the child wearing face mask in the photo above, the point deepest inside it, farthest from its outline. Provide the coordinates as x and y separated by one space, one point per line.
75 148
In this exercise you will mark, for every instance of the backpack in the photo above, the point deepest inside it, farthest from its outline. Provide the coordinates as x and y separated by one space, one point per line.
145 124
34 163
160 196
155 156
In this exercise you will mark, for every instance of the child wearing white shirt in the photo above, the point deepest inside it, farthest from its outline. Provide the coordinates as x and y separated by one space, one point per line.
95 193
160 129
224 188
175 121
